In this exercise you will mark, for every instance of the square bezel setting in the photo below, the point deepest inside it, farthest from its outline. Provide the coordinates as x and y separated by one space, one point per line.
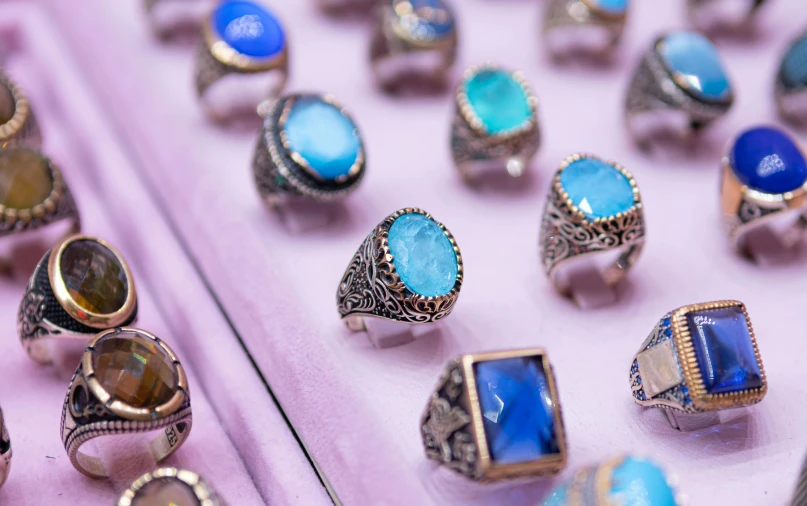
515 411
718 354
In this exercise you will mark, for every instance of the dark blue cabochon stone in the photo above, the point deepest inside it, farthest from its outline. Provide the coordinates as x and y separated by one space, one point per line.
768 160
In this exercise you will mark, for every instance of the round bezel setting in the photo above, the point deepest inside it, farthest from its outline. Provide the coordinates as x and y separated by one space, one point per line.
204 493
69 304
22 111
47 206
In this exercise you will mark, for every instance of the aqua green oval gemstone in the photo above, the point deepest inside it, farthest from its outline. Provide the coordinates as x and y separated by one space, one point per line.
638 481
423 255
498 100
597 188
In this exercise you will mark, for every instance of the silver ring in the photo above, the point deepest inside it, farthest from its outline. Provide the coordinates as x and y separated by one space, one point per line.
764 179
495 122
408 269
5 451
82 285
714 15
18 124
467 423
169 18
109 395
593 208
309 147
413 41
790 89
240 38
170 485
680 75
700 358
591 26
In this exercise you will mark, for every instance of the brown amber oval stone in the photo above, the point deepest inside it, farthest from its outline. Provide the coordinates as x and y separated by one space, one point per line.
25 178
165 492
134 369
7 104
94 277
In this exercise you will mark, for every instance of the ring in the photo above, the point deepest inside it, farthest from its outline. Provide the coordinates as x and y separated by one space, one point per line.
128 381
711 15
240 37
588 25
17 120
682 75
169 486
413 40
700 358
496 415
33 192
167 17
82 285
308 147
5 451
593 207
629 479
790 90
495 121
408 269
764 177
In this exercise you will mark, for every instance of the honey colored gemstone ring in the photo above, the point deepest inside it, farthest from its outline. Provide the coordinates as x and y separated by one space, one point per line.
169 485
82 285
5 451
17 121
129 381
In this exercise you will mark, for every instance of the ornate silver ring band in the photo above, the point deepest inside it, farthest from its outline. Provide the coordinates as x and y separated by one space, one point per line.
172 486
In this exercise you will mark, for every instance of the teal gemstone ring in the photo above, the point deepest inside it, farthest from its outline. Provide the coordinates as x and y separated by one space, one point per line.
495 122
496 416
699 358
593 209
588 27
5 451
791 82
308 147
408 269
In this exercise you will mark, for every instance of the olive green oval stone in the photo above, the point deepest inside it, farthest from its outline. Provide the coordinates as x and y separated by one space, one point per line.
165 492
94 276
25 178
134 369
7 104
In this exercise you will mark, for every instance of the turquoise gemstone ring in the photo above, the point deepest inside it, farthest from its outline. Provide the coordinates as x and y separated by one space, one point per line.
408 269
308 147
699 358
593 209
5 451
495 122
496 416
791 82
679 85
588 27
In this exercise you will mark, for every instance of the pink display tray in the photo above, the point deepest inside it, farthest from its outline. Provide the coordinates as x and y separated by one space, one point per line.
240 442
357 408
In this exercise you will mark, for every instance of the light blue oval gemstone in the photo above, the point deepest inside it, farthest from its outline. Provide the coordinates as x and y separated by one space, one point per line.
694 62
597 188
793 70
614 7
248 28
423 255
498 100
640 482
323 136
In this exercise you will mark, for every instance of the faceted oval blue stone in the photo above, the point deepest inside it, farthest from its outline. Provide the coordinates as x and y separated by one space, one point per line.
793 69
612 7
325 137
695 64
768 160
498 100
248 28
423 255
637 481
425 20
597 188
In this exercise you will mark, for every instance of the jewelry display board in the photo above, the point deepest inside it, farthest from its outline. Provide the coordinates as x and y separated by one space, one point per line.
239 442
357 408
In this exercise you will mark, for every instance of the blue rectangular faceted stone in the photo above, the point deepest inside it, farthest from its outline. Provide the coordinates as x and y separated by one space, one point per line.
517 409
724 350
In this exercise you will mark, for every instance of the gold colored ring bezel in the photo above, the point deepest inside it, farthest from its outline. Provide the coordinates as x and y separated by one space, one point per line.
227 55
402 33
682 337
49 205
62 294
489 469
475 122
680 80
203 492
611 16
120 408
299 159
22 110
578 214
397 283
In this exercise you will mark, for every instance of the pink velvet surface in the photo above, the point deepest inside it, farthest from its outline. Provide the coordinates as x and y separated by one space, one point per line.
357 408
238 434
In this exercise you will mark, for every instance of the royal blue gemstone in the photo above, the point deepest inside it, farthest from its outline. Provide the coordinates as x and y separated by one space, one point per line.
248 28
695 65
612 7
498 100
640 482
323 136
768 160
425 20
517 409
724 350
793 70
423 255
597 188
